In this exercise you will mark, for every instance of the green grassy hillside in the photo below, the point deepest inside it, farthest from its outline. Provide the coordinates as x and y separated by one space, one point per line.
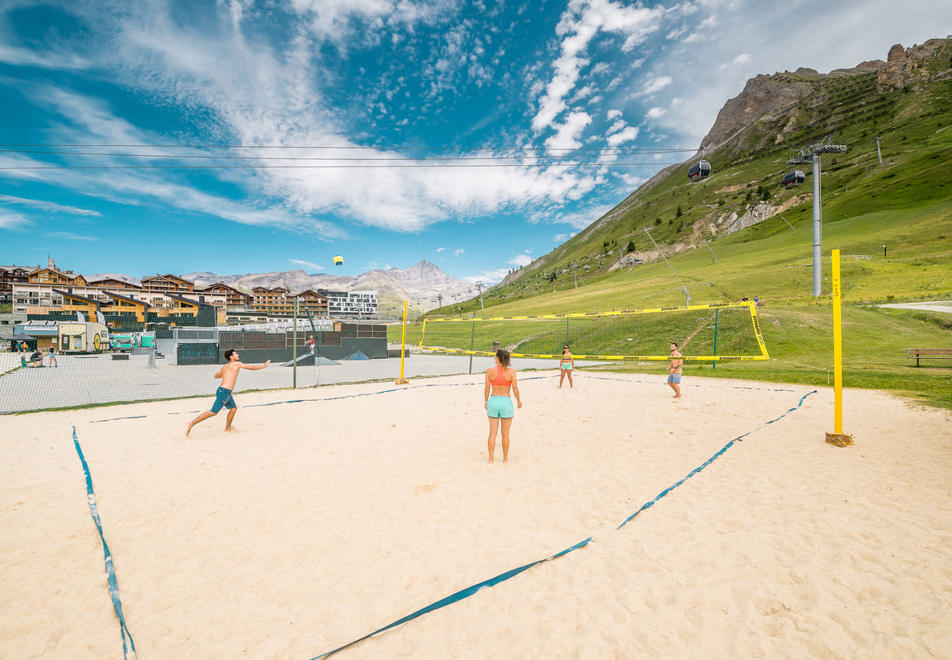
905 203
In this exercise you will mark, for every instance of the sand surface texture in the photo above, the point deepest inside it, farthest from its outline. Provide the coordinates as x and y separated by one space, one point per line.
315 523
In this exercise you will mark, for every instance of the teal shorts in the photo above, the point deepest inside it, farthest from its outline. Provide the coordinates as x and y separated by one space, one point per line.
674 378
223 398
499 407
566 366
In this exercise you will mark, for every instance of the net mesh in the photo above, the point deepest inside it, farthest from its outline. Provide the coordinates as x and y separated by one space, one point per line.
728 332
183 363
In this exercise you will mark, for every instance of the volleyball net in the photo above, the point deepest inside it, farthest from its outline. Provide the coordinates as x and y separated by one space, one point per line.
723 332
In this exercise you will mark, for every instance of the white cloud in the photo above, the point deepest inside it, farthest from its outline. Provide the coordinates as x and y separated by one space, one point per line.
631 181
459 252
579 24
617 126
47 206
655 112
626 135
488 276
12 220
561 238
566 137
578 219
743 58
69 236
520 260
613 114
51 57
306 264
656 84
582 92
440 249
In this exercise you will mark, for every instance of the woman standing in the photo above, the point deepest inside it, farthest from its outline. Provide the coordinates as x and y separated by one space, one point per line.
499 380
566 365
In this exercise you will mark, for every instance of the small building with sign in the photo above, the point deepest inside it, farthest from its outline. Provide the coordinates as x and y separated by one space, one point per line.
80 337
43 334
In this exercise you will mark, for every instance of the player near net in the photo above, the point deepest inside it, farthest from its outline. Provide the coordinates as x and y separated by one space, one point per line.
229 376
566 366
674 370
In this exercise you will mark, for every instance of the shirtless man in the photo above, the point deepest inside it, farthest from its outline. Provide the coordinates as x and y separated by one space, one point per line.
674 371
223 397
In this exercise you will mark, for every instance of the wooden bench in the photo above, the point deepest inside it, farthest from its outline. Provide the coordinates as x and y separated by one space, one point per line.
929 353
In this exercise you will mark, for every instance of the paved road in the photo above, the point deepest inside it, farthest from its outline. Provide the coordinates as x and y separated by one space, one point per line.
931 306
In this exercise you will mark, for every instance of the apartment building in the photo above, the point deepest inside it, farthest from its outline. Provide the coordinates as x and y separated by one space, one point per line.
234 299
350 304
8 276
276 300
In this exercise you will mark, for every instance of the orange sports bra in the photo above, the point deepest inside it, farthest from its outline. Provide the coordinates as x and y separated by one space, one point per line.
499 380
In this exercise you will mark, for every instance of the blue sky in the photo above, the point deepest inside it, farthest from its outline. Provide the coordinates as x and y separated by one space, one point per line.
534 89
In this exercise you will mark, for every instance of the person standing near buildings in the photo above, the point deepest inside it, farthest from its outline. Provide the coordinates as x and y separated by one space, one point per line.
223 397
53 356
311 344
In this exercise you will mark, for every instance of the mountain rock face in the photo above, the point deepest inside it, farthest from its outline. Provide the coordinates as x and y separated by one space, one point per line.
421 284
767 99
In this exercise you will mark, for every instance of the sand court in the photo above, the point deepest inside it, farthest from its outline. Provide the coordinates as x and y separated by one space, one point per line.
317 522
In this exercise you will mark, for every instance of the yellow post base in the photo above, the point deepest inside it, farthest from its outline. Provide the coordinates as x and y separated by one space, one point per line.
840 439
402 381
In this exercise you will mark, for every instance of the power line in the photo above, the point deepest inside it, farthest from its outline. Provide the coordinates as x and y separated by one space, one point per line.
295 158
342 147
423 164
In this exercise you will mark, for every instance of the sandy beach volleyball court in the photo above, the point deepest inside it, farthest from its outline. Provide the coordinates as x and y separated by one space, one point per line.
318 522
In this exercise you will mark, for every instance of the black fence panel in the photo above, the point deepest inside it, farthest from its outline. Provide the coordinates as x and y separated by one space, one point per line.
197 354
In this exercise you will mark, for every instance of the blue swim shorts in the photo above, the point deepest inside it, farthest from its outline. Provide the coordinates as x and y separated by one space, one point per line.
566 366
499 407
674 378
224 398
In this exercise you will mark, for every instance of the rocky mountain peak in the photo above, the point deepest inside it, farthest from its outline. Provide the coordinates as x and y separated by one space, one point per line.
421 283
769 98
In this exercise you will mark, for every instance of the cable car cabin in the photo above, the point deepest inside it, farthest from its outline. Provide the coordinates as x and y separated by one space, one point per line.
700 170
794 178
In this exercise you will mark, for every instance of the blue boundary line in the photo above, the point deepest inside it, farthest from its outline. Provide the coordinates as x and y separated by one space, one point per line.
720 452
412 387
452 598
331 398
107 555
469 591
460 595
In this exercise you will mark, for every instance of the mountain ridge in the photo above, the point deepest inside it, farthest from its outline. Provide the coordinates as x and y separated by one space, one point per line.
422 284
902 98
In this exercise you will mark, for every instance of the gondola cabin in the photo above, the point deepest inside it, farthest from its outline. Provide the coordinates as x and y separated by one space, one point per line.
794 178
700 170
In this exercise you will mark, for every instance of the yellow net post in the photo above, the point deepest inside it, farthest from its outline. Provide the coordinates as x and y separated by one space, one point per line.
403 346
837 438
